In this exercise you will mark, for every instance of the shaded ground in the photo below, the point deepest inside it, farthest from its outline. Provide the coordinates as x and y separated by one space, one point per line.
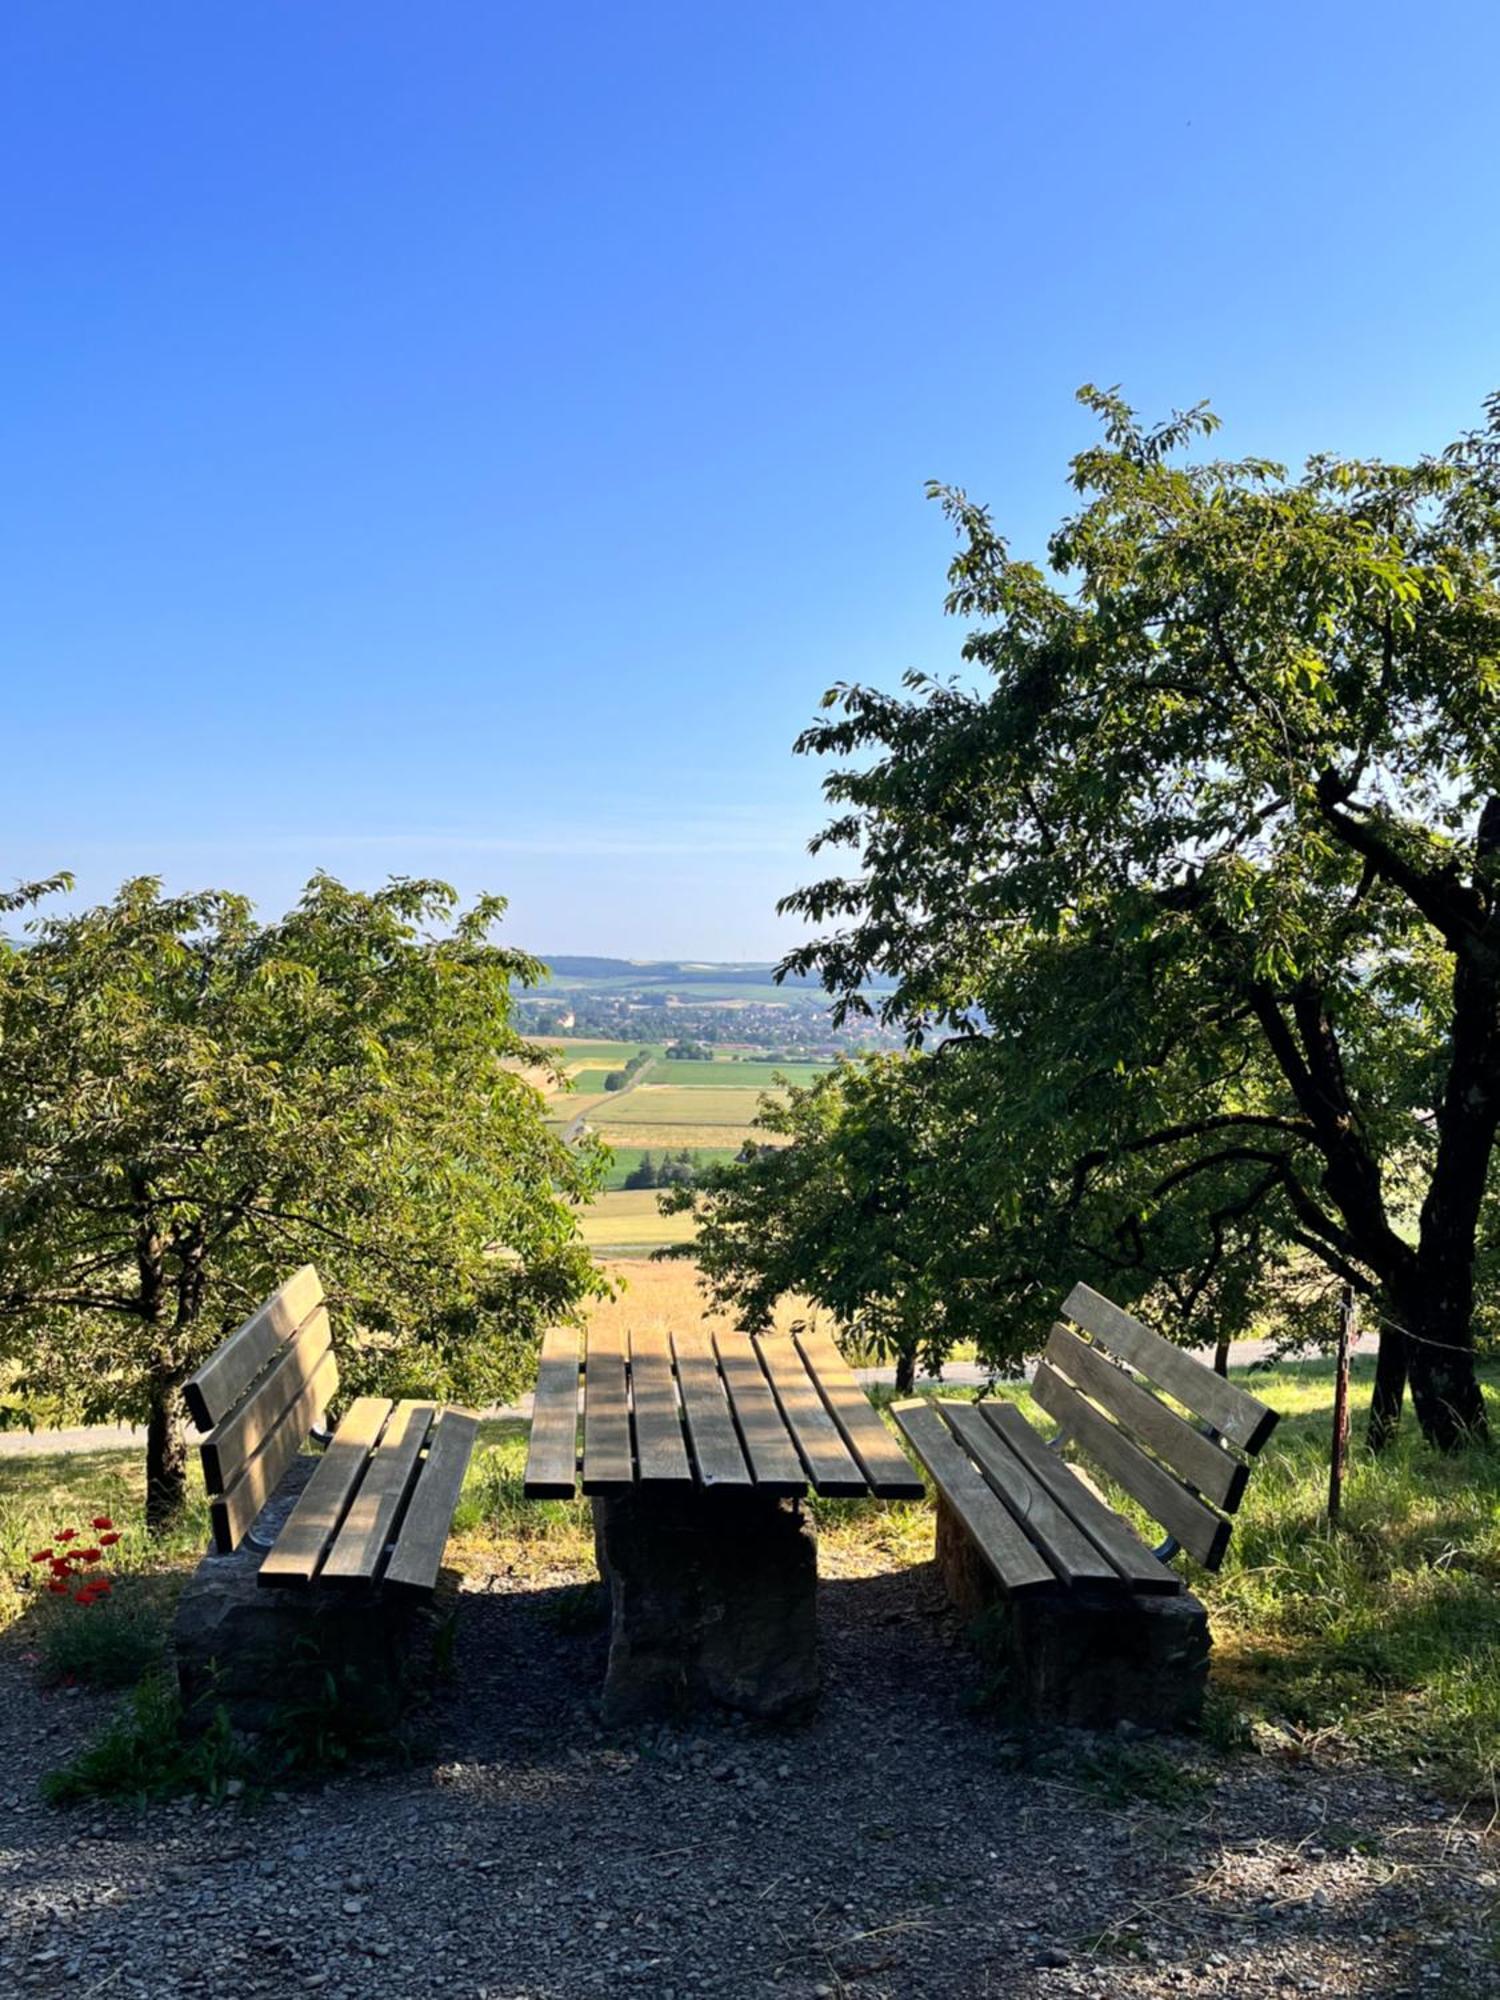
902 1844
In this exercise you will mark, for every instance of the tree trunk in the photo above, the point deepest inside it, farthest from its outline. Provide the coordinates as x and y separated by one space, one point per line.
1221 1356
906 1371
166 1456
1445 1391
1390 1389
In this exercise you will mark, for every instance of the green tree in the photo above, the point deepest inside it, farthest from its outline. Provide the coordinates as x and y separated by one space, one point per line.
193 1102
1202 856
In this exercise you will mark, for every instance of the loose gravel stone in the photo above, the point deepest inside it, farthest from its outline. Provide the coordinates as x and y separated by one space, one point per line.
900 1846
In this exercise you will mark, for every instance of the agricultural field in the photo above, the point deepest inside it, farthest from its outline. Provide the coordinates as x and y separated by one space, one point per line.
630 1220
607 1055
695 1137
756 1076
628 1158
661 1104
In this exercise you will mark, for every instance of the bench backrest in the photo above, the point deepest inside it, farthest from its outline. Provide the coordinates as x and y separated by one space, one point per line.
259 1395
1187 1477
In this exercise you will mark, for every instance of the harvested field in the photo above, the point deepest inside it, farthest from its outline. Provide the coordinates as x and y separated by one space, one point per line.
659 1104
631 1217
731 1136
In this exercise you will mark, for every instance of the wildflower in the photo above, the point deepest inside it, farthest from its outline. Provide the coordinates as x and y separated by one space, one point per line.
90 1555
66 1535
42 1556
101 1521
61 1566
58 1588
100 1586
108 1541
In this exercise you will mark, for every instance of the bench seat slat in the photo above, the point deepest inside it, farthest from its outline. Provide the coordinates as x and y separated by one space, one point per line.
1218 1476
423 1534
1020 1567
772 1455
552 1458
315 1519
715 1441
1240 1417
660 1449
1203 1533
212 1391
361 1541
1110 1534
1041 1519
233 1513
885 1464
831 1466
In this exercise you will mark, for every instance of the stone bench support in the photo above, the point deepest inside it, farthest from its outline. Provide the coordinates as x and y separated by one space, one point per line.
712 1601
1088 1660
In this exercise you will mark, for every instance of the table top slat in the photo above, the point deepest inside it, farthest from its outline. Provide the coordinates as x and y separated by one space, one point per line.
716 1445
885 1464
552 1460
772 1455
830 1465
608 1464
661 1454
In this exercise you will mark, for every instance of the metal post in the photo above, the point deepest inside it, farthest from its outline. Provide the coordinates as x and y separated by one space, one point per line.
1340 1407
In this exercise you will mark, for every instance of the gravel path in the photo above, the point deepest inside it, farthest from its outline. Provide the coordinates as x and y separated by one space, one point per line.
900 1845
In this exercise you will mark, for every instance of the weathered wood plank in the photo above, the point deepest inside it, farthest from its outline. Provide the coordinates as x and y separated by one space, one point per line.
1241 1418
831 1466
360 1545
1067 1549
661 1455
1218 1476
884 1462
607 1462
246 1428
1021 1568
232 1514
1203 1533
315 1519
716 1444
212 1392
772 1455
1076 1496
424 1530
552 1459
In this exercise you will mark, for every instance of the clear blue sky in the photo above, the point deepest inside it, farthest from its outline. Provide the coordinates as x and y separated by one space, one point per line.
466 439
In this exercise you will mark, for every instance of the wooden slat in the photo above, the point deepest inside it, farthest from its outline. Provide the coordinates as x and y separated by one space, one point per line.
1203 1533
218 1385
716 1446
1067 1549
423 1534
885 1464
1075 1495
314 1521
1239 1416
1204 1464
232 1514
661 1455
552 1460
831 1466
360 1546
242 1433
1021 1569
607 1463
768 1446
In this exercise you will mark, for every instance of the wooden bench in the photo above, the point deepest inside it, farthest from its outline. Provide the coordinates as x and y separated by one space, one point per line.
1093 1626
356 1536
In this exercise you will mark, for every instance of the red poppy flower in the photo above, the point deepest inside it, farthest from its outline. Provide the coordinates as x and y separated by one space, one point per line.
101 1521
58 1589
100 1586
61 1567
42 1556
66 1535
108 1541
90 1555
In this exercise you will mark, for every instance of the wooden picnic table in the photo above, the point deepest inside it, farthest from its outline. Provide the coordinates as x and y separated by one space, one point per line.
697 1451
777 1414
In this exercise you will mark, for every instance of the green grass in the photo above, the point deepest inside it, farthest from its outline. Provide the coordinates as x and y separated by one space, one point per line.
609 1055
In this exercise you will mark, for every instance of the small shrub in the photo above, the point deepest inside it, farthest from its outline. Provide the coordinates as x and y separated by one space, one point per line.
116 1643
146 1753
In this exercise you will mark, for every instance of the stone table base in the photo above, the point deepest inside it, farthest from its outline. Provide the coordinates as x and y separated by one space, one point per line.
1092 1661
712 1600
